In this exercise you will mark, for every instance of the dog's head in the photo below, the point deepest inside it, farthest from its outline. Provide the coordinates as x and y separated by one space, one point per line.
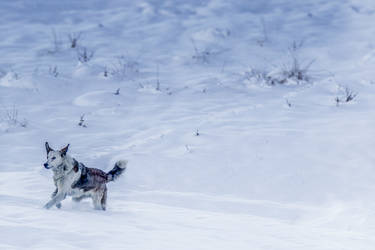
55 158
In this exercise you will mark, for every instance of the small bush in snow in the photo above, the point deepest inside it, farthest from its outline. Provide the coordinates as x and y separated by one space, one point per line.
288 103
293 72
56 43
105 71
73 39
82 121
84 55
201 56
10 118
337 100
348 96
124 68
53 71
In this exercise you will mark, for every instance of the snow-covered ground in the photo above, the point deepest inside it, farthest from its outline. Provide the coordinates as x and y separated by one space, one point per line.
218 157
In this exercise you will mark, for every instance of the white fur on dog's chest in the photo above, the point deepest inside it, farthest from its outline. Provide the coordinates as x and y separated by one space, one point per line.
64 183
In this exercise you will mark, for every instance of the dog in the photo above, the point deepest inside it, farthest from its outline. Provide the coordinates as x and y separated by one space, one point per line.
72 178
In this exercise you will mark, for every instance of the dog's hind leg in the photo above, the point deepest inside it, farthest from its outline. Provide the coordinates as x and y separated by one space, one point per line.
103 201
96 202
97 198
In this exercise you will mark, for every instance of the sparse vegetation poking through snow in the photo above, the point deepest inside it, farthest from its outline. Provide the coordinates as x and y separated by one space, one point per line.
117 92
53 71
23 123
82 121
56 43
293 72
337 100
288 103
73 39
201 56
11 115
124 68
157 79
84 55
349 96
105 73
11 119
264 38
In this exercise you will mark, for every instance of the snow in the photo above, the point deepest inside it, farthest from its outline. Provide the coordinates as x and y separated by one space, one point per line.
273 167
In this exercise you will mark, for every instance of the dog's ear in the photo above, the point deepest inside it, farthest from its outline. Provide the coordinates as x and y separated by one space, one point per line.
48 149
64 150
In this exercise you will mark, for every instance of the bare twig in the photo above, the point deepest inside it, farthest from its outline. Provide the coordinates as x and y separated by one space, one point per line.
82 121
74 38
157 79
288 103
124 68
264 39
201 56
349 95
56 42
84 55
53 71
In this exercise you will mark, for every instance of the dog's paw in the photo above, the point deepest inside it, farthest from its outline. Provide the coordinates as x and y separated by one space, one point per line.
48 205
58 205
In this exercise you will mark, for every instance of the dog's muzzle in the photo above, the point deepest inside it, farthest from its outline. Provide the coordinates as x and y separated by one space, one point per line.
46 165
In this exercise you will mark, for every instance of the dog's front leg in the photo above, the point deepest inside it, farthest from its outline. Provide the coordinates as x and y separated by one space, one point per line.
54 193
58 205
55 200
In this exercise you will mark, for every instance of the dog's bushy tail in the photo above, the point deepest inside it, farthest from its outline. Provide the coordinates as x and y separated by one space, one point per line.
117 170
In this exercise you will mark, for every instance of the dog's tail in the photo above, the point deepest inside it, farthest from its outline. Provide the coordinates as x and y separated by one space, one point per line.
117 170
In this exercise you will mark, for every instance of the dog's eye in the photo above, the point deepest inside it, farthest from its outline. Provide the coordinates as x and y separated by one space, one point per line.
53 158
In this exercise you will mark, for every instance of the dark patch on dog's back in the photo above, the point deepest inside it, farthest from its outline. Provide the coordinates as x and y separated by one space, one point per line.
91 178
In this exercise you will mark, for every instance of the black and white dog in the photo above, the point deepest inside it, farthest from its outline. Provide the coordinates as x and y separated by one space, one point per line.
75 179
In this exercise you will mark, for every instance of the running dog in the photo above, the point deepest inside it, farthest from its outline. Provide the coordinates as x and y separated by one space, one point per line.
75 179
